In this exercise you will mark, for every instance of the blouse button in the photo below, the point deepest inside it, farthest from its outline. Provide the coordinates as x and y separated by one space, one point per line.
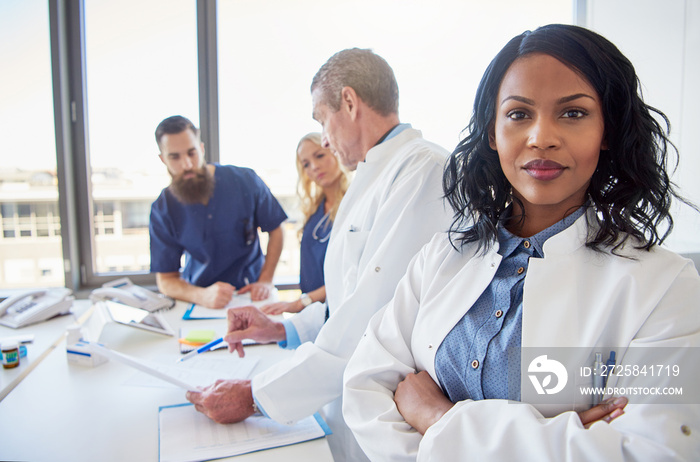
526 244
377 269
475 364
520 270
685 430
209 216
499 313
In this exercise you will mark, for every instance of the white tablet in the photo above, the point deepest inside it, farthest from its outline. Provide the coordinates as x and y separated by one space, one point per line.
137 317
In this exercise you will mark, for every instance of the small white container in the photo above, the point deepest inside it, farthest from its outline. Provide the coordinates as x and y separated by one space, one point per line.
80 353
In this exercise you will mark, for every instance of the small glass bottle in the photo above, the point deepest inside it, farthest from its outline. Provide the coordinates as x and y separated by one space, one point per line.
10 354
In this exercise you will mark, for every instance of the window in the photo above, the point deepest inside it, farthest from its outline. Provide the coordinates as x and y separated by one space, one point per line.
270 50
30 243
135 216
141 60
25 220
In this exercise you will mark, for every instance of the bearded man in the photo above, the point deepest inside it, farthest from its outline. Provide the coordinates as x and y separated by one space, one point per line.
210 213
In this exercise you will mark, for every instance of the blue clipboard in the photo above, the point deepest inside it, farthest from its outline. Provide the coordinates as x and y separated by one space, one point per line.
190 315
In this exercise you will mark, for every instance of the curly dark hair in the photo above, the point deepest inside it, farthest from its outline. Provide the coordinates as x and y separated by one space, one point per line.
630 189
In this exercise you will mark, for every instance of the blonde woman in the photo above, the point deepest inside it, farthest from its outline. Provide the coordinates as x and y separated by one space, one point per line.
322 184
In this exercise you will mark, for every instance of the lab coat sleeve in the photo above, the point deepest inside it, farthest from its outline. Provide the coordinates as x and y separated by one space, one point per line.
409 214
501 430
382 359
308 322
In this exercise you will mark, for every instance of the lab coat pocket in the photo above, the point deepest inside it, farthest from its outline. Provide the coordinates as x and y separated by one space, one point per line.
355 243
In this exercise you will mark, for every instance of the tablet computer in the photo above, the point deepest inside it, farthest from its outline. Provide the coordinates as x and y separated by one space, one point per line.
137 317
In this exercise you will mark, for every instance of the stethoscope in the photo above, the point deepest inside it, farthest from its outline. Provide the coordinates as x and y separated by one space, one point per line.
325 220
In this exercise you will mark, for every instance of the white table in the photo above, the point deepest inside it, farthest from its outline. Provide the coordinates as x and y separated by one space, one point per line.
65 412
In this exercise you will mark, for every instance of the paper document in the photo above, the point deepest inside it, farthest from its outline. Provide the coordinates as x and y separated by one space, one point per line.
187 435
201 312
200 371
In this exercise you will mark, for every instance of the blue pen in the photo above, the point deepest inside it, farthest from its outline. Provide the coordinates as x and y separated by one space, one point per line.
609 367
201 349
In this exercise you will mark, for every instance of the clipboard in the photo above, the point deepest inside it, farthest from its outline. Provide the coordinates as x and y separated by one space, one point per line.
185 435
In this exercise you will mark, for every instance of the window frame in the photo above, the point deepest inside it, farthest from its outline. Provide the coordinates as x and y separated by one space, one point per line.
68 67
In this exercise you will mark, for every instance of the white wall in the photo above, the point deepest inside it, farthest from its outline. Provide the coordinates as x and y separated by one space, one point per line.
662 39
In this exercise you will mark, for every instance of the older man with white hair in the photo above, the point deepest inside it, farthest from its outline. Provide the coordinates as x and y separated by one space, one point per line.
393 206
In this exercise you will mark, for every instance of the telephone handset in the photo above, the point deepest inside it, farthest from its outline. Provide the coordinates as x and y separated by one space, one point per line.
126 292
33 306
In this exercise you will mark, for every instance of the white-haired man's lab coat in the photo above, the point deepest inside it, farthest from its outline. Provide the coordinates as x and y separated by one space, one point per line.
392 208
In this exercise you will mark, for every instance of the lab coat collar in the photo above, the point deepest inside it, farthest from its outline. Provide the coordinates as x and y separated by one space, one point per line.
509 242
382 153
479 270
573 237
565 242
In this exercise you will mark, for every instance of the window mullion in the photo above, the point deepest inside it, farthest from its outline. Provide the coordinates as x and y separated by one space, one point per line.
208 77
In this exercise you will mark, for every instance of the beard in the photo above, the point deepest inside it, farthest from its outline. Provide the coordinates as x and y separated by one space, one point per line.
195 190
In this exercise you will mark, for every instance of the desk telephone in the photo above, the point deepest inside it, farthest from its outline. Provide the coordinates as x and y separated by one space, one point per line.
34 306
126 292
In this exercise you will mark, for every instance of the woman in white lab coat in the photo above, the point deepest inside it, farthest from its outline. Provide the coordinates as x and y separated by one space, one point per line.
561 200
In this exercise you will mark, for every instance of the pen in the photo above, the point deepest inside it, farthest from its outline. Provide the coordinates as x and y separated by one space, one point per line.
597 378
201 349
609 367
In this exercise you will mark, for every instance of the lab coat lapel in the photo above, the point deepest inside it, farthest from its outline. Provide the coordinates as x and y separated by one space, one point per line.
556 299
454 271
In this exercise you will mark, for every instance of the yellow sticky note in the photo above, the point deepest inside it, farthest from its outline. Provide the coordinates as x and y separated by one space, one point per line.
200 336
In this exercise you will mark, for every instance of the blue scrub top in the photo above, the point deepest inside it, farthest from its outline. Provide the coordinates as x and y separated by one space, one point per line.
314 242
219 240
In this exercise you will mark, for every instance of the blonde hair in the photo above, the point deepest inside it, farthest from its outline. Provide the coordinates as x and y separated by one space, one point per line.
310 194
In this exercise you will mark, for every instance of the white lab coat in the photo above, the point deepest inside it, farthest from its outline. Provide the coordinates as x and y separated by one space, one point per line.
392 208
573 297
